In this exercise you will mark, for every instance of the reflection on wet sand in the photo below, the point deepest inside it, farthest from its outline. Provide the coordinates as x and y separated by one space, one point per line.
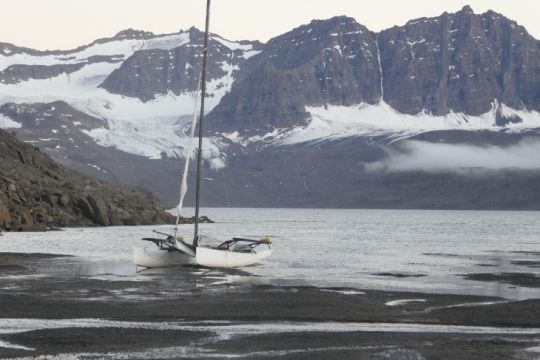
195 312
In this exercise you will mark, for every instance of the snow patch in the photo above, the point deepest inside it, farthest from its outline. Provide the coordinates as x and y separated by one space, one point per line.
412 43
233 45
7 123
250 53
122 49
234 136
216 164
336 122
97 167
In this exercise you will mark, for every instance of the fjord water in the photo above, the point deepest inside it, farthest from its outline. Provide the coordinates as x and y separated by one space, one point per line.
403 250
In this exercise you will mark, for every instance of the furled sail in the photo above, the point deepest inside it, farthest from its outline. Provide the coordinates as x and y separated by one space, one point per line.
183 184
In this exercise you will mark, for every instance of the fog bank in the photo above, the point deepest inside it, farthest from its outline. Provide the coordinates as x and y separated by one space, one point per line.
435 157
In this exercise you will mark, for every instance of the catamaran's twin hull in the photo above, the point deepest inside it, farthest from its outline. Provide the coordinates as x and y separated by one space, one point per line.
213 258
152 258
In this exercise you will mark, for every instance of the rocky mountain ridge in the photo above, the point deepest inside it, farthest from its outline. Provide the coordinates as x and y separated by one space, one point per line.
465 61
455 63
148 73
325 62
302 120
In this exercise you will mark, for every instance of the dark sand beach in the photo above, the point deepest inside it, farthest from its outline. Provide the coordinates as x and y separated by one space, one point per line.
48 309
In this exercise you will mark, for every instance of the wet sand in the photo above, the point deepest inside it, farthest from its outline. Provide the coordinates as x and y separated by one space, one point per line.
194 313
514 278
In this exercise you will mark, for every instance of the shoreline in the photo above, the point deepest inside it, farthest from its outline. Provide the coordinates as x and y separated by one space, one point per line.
198 313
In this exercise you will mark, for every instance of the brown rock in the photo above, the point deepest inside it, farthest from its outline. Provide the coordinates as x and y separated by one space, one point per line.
85 208
5 218
63 200
99 211
26 216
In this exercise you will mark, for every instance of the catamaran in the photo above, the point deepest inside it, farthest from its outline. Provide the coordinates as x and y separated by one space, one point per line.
173 250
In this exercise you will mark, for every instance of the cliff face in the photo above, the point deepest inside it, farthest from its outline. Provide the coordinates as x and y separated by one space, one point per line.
36 192
461 62
325 62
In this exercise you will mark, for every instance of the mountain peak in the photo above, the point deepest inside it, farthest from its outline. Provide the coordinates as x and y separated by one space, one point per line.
321 26
195 33
133 34
467 9
194 30
334 21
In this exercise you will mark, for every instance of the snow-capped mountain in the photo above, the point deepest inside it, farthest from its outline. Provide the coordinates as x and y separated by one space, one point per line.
459 69
329 97
141 85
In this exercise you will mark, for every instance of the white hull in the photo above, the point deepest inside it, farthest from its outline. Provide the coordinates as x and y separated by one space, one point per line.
228 259
151 258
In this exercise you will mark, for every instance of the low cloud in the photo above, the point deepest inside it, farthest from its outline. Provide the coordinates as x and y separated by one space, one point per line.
437 157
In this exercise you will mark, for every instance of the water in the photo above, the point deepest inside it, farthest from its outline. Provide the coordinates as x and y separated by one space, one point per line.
429 250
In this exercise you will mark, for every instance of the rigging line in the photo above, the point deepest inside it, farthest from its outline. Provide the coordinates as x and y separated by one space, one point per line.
201 126
183 184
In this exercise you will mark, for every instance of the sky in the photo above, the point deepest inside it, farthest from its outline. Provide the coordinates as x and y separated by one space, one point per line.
66 24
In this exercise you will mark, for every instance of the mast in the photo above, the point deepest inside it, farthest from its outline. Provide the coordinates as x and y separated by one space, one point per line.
201 127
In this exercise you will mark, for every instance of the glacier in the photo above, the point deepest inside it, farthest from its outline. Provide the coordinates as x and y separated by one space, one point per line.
327 123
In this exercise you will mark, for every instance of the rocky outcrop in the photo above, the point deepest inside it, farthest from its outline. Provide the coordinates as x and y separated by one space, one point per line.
460 62
148 73
17 73
36 192
326 62
133 34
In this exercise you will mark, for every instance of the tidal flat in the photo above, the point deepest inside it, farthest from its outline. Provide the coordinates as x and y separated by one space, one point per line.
340 284
48 310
